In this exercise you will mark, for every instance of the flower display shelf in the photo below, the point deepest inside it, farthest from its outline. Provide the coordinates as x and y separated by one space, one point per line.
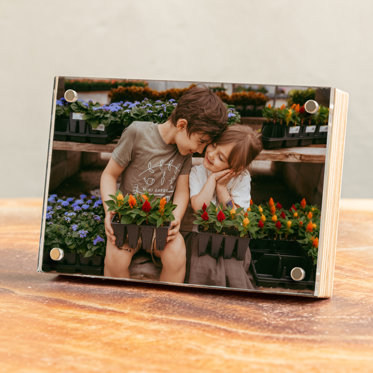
227 246
78 130
146 232
276 136
273 260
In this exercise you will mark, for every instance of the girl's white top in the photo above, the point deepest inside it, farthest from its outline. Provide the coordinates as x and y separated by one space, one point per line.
238 187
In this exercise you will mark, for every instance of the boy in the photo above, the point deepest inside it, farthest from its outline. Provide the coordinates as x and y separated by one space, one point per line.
157 159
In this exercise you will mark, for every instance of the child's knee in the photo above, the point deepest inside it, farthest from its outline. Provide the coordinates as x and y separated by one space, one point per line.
175 252
117 259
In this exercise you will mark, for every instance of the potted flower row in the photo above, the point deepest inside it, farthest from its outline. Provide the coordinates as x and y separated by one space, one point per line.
88 85
293 126
140 216
74 227
275 235
287 240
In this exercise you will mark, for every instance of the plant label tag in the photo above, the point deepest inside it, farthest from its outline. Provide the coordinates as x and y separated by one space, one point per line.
323 129
294 129
77 116
310 129
100 127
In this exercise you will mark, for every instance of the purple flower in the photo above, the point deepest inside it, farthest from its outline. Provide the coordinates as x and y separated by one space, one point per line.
97 240
60 200
49 208
78 202
58 208
88 202
97 204
70 199
74 227
85 207
51 199
67 219
96 217
77 208
82 196
82 233
230 115
48 216
65 203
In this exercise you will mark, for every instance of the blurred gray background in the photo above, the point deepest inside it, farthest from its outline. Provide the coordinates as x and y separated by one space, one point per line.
314 43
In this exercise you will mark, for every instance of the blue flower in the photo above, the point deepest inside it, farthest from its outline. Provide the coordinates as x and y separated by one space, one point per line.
48 216
58 208
70 199
49 208
230 115
149 111
82 233
88 202
74 227
51 199
77 208
65 203
96 217
67 219
53 196
85 207
82 196
171 100
78 202
71 214
97 240
97 204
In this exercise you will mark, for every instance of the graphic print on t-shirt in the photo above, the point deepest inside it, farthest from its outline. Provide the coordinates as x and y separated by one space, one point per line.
169 173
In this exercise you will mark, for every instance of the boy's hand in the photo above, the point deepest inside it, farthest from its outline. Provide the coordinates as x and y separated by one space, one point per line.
108 228
174 229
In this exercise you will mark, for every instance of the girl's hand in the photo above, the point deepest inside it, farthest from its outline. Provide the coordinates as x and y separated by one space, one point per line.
220 174
224 179
108 228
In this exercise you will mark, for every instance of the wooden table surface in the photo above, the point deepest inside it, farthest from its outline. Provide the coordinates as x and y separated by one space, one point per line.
70 324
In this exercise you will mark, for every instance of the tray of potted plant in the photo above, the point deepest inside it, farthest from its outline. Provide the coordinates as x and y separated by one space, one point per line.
140 215
61 126
286 240
322 119
224 231
74 227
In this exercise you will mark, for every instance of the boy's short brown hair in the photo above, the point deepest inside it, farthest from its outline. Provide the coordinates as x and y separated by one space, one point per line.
247 146
204 111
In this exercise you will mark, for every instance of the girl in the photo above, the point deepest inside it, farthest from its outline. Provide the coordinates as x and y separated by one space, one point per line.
223 177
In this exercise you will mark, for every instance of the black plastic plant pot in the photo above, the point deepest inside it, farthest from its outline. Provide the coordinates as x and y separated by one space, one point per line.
229 246
216 242
69 257
133 235
146 232
242 246
292 136
161 237
321 134
95 260
258 245
272 143
61 124
307 135
119 232
203 242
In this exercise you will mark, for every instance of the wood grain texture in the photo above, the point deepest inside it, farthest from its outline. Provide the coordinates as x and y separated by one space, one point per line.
55 323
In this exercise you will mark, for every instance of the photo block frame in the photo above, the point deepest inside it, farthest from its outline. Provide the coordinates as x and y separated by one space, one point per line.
200 184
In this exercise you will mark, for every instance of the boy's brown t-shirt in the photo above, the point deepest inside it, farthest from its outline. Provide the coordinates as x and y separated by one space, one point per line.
150 164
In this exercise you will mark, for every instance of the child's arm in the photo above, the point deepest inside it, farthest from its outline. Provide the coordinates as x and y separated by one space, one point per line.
108 185
181 199
207 191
